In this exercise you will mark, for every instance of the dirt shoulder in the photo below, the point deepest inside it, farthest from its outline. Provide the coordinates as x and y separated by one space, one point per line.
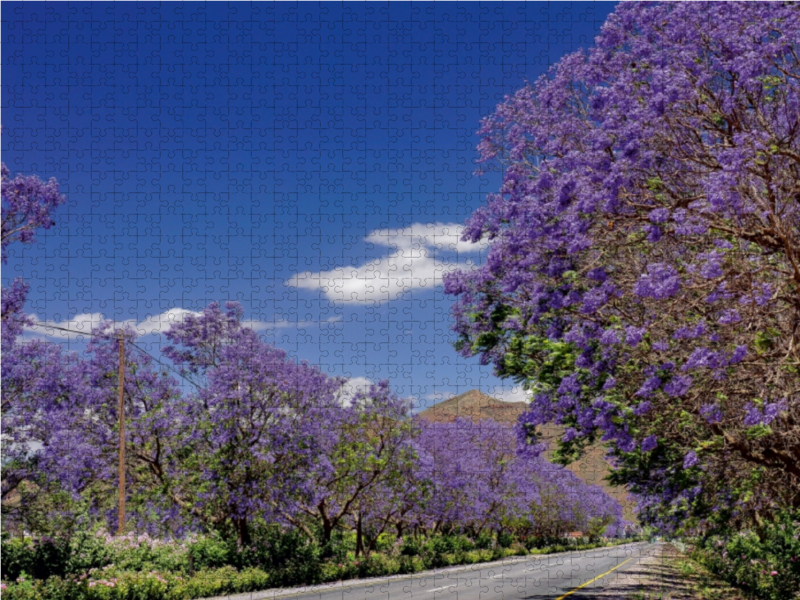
667 574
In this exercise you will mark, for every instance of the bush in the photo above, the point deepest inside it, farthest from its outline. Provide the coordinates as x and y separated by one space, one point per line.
410 547
518 549
331 571
209 552
133 552
767 567
411 564
504 539
227 580
113 584
274 549
384 542
88 550
16 557
542 541
376 565
38 559
484 540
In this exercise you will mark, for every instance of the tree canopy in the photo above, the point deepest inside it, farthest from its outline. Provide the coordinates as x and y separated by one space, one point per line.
643 278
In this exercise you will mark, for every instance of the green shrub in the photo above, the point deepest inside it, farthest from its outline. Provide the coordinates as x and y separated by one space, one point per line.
484 540
16 557
410 564
411 547
135 574
209 552
88 550
23 588
376 565
767 567
504 539
39 558
472 557
384 542
331 571
518 549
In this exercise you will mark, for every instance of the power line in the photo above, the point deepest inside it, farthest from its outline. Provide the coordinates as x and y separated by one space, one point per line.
46 326
135 345
163 364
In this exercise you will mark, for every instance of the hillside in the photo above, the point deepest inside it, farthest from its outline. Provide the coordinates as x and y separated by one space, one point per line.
476 406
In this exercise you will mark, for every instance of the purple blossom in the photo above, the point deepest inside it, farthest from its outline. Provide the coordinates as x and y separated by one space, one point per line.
659 215
649 443
729 317
678 386
28 204
608 165
771 411
712 413
738 355
609 337
633 335
649 387
660 282
690 459
702 358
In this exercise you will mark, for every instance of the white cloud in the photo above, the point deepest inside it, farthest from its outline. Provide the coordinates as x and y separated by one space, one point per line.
158 324
78 326
284 324
351 387
409 265
504 394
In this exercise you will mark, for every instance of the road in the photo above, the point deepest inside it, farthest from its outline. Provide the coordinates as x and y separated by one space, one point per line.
564 576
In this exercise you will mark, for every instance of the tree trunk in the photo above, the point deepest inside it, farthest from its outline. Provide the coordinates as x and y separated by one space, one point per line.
242 532
359 536
327 523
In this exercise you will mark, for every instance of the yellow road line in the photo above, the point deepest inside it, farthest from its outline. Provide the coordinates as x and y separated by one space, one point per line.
593 580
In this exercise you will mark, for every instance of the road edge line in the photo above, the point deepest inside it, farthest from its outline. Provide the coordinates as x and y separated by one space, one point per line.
583 585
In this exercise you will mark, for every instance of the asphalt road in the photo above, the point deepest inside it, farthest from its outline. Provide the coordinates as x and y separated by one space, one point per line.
570 575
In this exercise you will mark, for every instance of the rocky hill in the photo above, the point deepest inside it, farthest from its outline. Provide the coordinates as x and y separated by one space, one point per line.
476 406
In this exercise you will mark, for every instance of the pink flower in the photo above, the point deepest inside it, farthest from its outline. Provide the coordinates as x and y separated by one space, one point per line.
774 573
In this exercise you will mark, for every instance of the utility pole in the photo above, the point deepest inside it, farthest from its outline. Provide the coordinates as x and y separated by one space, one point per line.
121 524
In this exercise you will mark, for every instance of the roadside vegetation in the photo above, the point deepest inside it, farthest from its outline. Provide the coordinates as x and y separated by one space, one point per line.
97 565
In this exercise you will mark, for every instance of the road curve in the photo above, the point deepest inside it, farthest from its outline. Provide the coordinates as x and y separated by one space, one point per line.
563 576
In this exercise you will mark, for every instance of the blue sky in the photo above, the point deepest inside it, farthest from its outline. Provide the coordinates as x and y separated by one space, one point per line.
312 161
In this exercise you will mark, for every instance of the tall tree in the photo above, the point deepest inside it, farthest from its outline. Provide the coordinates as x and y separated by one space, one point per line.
254 429
644 275
362 466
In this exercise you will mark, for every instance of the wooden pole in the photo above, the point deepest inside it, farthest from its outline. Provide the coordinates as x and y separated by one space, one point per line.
121 524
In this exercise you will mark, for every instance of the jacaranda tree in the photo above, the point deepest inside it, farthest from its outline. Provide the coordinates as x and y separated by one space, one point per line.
254 429
644 273
32 375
